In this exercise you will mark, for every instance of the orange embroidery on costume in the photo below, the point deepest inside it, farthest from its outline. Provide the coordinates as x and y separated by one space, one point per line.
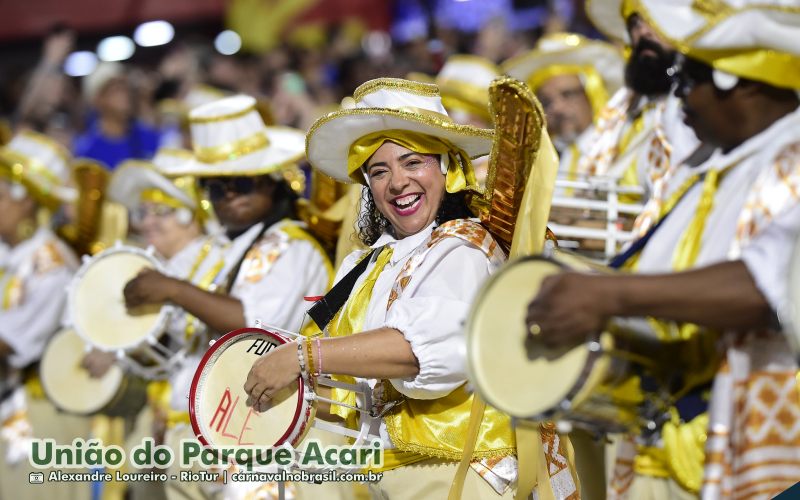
47 258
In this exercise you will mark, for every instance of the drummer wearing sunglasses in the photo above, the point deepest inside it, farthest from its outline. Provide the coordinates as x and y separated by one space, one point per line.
272 263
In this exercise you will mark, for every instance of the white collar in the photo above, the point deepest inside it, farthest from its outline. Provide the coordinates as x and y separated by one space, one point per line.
403 247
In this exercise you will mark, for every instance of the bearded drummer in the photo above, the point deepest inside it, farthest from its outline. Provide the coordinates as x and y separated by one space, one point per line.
401 326
718 258
34 272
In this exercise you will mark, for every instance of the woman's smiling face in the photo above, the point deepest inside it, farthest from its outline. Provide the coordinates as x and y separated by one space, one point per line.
407 187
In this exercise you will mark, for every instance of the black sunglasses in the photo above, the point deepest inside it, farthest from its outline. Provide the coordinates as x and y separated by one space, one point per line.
217 188
686 74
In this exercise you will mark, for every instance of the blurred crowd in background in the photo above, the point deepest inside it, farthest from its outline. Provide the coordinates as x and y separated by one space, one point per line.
126 95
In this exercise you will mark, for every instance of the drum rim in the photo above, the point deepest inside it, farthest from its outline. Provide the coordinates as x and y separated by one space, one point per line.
149 255
586 371
193 418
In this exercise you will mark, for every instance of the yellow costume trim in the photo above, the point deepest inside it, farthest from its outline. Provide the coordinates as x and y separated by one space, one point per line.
592 82
460 174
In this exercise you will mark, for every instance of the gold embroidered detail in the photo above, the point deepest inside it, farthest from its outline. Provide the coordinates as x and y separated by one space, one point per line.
418 88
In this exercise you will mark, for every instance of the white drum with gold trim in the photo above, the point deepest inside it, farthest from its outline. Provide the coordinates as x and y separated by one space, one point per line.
97 312
70 387
217 408
594 385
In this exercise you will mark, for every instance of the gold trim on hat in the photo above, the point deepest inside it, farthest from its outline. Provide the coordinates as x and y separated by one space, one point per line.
176 153
232 150
431 119
196 120
30 172
418 88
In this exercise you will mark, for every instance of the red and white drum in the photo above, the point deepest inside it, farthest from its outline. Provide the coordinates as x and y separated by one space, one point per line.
217 398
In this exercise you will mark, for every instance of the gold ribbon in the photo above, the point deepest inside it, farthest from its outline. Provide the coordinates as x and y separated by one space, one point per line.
350 320
153 195
460 174
233 149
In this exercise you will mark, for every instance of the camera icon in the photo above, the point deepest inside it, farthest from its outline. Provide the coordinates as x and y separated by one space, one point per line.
36 477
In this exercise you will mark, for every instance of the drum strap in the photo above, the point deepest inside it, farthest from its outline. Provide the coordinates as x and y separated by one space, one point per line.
323 311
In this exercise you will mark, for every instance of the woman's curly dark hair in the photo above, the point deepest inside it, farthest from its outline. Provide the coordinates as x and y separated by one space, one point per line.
372 223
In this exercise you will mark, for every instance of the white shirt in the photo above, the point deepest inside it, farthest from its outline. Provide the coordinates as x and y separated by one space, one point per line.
212 251
430 312
42 266
277 297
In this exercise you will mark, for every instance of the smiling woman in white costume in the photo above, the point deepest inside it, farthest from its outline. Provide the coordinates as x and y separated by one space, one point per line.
401 326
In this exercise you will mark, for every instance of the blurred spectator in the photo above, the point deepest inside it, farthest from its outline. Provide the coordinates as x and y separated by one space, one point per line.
114 133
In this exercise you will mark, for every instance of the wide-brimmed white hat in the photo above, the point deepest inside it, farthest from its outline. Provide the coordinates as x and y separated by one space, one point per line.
464 84
133 178
570 53
754 39
40 164
606 15
229 138
387 104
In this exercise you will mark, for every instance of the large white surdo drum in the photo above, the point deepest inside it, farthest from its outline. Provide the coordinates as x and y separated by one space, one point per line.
97 311
70 387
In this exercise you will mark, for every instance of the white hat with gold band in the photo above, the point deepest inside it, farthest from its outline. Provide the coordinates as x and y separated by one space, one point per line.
40 164
599 65
136 181
229 138
464 84
387 104
754 39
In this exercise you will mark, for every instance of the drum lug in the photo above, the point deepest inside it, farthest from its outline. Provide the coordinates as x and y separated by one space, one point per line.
150 250
118 244
212 342
120 354
85 259
594 346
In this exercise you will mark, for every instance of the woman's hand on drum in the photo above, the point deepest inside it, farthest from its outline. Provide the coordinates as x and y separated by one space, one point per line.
149 287
270 373
569 308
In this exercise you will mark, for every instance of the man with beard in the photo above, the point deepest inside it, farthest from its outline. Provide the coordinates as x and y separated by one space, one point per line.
717 259
639 135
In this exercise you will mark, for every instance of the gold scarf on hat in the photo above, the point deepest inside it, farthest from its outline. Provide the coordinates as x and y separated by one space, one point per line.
460 174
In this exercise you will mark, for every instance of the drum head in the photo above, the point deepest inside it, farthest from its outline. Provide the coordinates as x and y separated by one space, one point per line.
519 378
217 401
67 384
791 316
97 304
